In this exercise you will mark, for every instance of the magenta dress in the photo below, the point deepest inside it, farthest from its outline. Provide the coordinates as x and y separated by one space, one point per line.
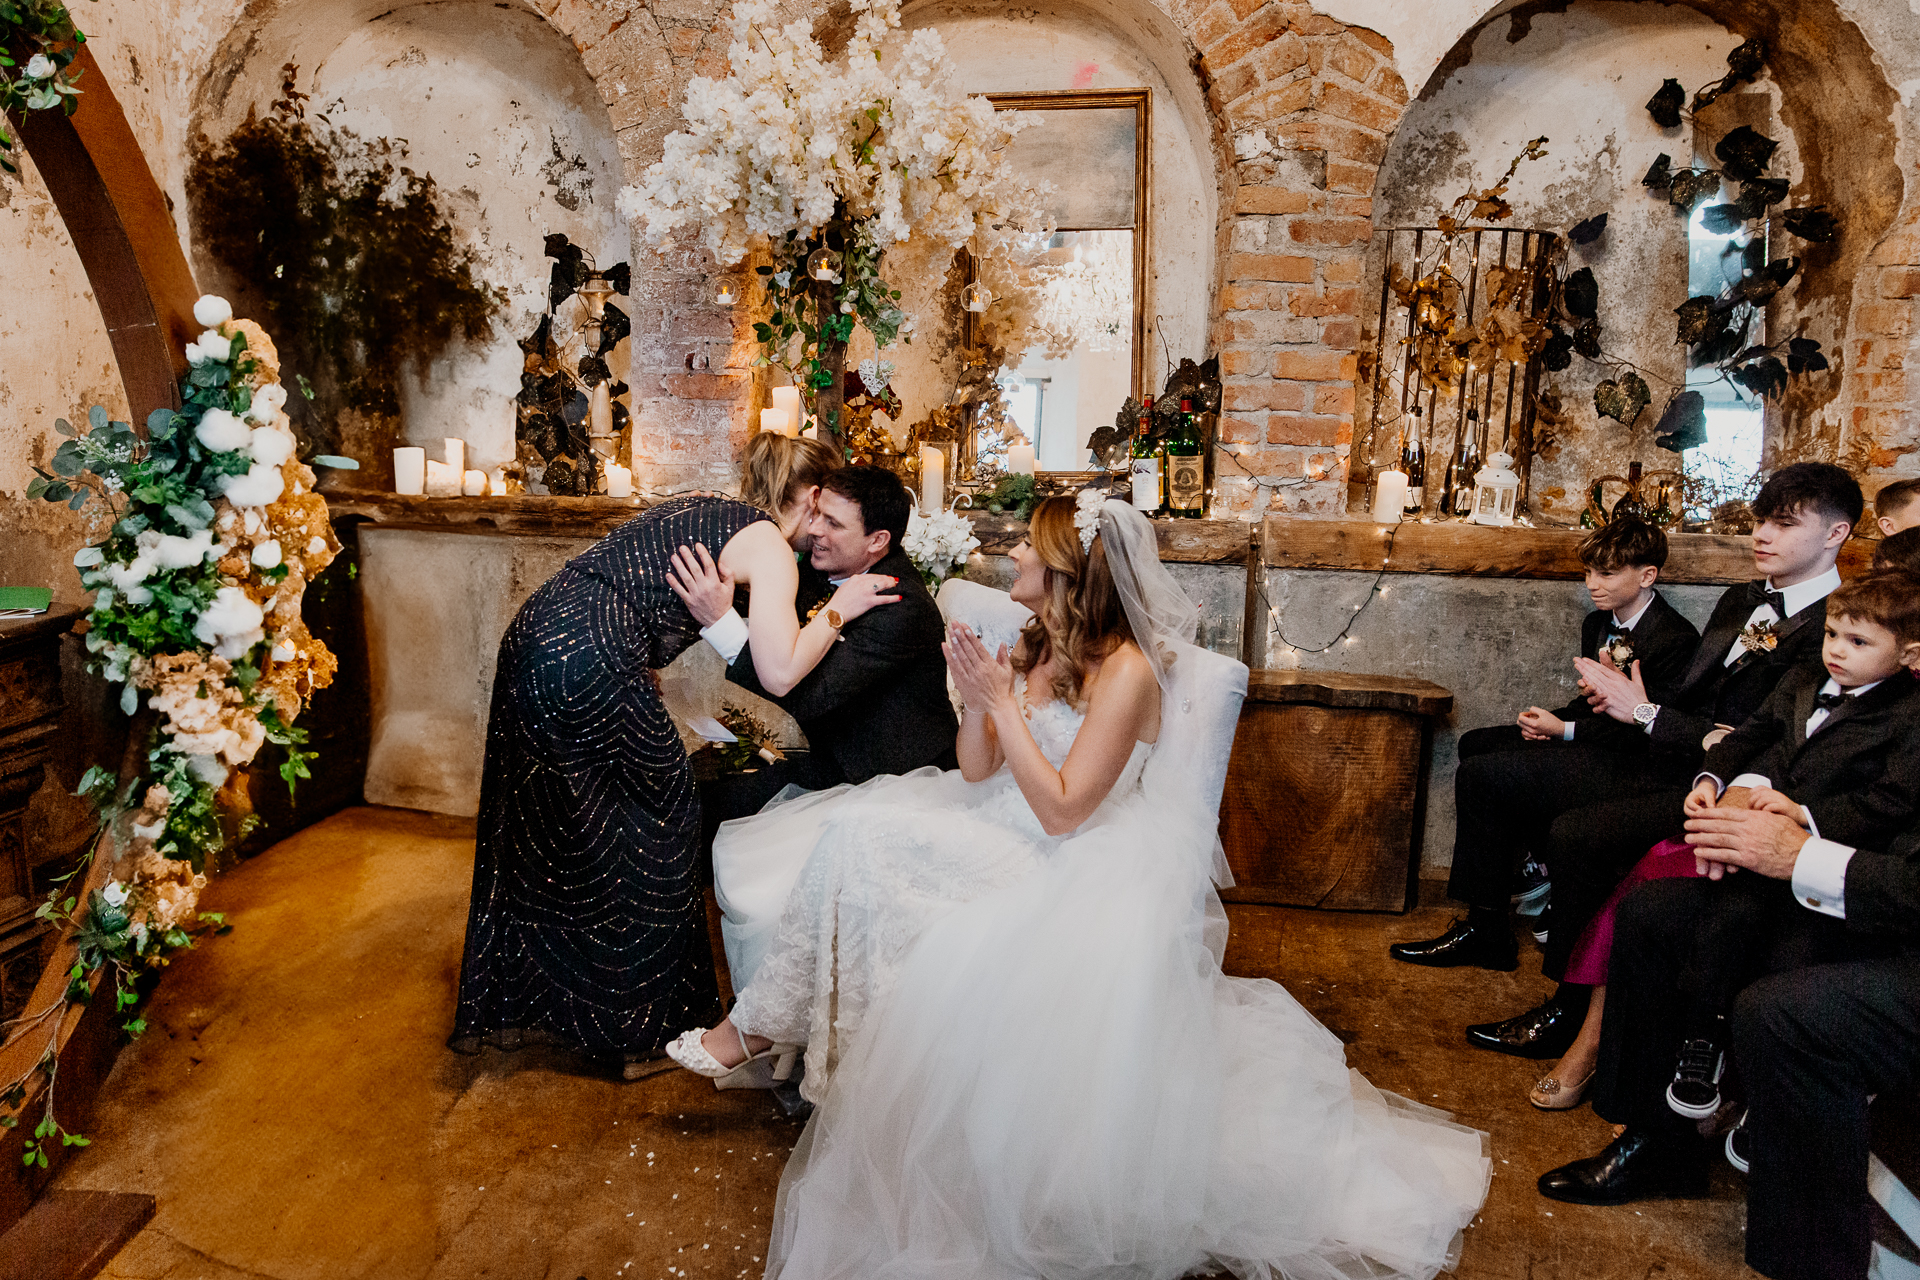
1587 966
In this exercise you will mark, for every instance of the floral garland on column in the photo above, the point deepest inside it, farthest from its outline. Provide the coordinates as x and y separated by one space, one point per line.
830 165
46 82
197 588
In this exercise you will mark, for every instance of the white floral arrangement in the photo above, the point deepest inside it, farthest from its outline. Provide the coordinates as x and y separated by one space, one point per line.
216 532
938 544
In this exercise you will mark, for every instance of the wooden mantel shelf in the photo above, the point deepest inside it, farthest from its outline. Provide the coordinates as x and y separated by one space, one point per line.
522 514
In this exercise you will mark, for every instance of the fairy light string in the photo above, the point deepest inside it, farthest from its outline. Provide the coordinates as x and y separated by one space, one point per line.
1374 591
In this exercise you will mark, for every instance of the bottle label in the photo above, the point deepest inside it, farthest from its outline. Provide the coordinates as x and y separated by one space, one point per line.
1416 498
1186 482
1146 484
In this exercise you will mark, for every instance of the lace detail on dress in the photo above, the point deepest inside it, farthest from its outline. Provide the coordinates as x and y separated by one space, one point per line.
895 855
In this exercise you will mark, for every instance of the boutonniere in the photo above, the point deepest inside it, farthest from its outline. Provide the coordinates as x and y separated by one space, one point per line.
1760 637
1619 650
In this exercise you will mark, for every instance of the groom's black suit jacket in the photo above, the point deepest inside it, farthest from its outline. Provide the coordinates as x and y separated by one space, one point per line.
877 702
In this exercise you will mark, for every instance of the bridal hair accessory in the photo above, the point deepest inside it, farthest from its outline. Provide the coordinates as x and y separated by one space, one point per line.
1086 516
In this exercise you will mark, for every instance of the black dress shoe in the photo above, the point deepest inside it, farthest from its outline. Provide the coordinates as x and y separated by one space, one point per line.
1633 1167
1545 1031
1463 943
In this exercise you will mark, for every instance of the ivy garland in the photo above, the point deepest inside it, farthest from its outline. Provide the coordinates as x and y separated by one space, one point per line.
47 80
216 532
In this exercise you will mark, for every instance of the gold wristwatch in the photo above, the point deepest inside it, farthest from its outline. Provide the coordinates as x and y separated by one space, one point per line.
834 619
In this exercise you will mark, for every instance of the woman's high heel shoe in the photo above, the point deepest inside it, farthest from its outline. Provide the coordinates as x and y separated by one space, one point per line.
760 1070
1551 1094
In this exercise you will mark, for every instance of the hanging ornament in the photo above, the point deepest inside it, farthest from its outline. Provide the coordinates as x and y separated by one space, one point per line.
820 264
976 297
725 296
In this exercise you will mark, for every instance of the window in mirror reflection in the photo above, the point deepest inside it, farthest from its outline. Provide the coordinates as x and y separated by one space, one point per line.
1088 289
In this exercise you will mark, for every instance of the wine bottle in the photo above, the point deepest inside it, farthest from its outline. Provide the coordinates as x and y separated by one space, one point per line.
1186 468
1631 505
1146 470
1413 461
1457 500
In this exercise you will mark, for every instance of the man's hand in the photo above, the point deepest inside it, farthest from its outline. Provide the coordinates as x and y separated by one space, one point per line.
1760 841
701 584
1537 725
1611 693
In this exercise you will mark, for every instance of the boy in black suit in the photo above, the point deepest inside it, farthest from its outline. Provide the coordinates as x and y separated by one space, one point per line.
1596 811
1833 748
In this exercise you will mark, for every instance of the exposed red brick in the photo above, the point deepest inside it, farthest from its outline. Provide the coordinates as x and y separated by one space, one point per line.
1214 25
1269 266
1388 84
1354 61
1334 231
1242 396
1317 57
1272 102
1243 430
1236 81
1250 297
1314 366
1900 282
1317 24
1344 175
1350 206
1304 303
1281 57
1233 363
1273 327
1245 7
1252 199
1372 39
704 386
1290 397
1333 398
1879 457
1266 25
1341 334
1885 319
1303 429
1343 269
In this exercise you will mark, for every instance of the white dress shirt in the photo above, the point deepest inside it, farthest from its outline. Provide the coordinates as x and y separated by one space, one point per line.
728 633
1623 624
1820 877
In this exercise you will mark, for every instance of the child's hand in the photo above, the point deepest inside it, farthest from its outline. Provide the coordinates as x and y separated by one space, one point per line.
1767 800
1537 725
1705 794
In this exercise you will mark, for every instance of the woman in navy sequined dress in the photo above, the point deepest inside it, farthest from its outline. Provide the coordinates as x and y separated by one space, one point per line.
586 926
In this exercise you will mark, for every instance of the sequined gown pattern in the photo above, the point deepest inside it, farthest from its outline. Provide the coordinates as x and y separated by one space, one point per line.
586 925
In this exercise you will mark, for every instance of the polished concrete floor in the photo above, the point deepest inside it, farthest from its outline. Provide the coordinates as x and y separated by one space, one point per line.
295 1112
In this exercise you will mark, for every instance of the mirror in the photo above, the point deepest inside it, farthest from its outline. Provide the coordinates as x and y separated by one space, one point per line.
1093 148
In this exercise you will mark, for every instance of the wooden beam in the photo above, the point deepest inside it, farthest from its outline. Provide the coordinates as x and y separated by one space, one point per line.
73 1235
1479 551
118 219
1348 689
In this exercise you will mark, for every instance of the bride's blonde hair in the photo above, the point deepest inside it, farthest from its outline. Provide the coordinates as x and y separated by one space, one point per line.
1080 620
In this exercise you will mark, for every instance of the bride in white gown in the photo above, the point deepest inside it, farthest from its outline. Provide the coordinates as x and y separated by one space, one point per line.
1027 1061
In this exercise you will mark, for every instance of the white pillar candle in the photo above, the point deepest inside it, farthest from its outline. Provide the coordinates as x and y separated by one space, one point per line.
600 410
776 421
933 479
442 480
409 470
788 399
813 430
619 481
1389 496
474 485
456 454
1020 459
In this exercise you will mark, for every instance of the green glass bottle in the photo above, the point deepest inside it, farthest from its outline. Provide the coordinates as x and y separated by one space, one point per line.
1186 469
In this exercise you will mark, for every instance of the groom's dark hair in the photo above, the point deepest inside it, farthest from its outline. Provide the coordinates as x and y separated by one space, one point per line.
883 501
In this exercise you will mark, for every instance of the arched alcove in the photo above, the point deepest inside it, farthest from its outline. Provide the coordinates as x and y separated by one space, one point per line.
495 105
1580 73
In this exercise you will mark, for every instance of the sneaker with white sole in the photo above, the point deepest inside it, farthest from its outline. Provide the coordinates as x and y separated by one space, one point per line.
1695 1091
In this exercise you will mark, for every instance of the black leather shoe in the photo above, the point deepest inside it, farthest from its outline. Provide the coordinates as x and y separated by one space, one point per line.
1633 1167
1545 1031
1463 943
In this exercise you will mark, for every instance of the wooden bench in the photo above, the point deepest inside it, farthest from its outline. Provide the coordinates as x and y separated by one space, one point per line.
1326 792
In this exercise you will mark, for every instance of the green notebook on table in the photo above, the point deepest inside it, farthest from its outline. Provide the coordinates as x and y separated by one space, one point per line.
24 602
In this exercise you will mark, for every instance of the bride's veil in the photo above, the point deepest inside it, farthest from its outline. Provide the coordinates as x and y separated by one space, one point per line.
1162 617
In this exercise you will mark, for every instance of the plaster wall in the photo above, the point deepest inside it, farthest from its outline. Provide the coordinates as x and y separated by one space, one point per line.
1500 644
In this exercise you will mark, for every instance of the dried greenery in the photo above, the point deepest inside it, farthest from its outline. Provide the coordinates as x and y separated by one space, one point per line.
348 250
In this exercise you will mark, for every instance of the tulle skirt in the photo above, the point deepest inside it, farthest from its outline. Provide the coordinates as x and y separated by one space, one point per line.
1061 1083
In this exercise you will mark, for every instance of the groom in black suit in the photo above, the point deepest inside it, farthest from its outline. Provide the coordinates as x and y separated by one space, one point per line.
877 702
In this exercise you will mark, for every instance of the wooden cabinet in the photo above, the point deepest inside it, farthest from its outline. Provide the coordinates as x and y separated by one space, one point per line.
30 707
1326 792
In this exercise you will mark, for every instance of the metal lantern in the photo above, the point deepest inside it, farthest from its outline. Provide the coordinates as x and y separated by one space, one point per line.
1496 491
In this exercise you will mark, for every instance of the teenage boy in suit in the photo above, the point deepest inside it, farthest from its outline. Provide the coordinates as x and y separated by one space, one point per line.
1597 810
1897 507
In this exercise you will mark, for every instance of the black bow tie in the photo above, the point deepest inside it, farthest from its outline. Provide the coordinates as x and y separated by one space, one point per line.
1828 701
1759 593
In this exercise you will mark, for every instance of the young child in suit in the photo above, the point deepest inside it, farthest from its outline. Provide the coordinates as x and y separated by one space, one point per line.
1630 621
1834 747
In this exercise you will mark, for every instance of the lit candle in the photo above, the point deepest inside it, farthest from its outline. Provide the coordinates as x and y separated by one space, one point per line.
409 470
1020 459
933 479
787 399
442 480
619 481
456 454
474 485
1389 496
776 421
600 410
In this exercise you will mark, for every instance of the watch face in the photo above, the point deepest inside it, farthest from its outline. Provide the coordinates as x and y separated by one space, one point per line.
834 620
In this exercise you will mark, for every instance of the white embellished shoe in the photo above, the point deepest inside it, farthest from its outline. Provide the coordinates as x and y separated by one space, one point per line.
760 1070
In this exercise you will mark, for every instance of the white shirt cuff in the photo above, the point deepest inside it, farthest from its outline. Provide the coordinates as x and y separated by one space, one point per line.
1719 787
727 635
1566 732
1820 877
1752 780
